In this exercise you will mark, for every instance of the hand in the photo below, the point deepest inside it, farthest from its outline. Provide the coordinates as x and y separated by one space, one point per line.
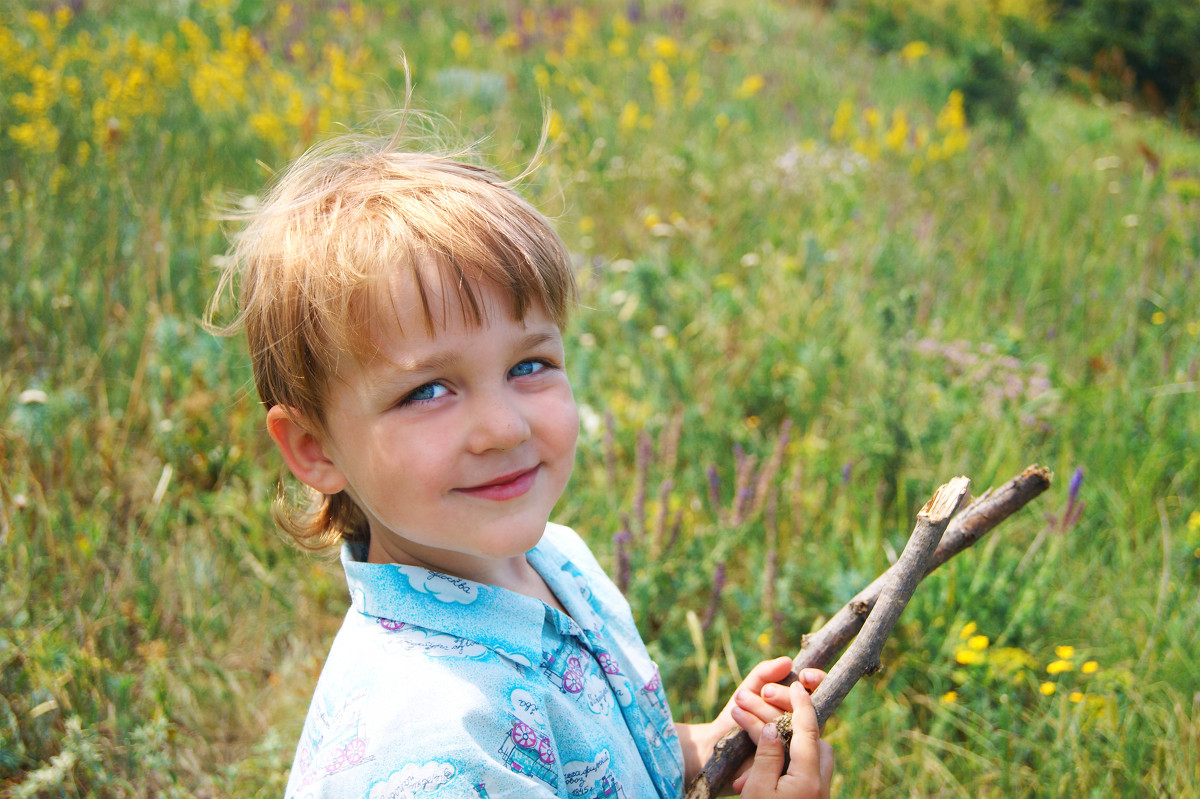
760 700
810 772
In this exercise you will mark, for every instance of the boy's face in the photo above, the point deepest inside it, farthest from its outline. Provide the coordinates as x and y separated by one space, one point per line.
456 444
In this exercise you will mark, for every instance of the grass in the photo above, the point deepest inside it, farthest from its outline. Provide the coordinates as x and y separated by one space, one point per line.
790 334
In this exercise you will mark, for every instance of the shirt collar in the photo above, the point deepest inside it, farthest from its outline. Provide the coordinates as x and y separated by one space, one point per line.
500 619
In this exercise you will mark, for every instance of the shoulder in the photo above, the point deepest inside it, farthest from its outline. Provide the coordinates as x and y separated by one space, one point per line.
416 711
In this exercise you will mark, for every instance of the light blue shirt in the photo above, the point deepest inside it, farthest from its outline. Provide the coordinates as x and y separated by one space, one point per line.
442 687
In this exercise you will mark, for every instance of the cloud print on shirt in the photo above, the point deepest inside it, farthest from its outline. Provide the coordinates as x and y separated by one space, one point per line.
434 644
414 780
443 586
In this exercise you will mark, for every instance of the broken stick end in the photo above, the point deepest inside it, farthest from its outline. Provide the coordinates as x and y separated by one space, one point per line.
945 500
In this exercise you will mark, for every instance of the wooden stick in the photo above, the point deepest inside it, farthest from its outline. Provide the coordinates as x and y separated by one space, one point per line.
818 649
862 657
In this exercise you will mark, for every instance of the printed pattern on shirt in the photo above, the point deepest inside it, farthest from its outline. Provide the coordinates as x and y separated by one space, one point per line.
440 687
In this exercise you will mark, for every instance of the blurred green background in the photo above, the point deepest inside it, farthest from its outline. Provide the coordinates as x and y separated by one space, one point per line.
831 255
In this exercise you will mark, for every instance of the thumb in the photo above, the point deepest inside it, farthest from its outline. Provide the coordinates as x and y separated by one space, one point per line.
763 777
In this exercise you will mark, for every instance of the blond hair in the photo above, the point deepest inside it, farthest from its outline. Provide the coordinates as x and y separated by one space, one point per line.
314 257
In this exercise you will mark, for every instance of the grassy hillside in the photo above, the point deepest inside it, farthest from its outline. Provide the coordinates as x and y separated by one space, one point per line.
811 292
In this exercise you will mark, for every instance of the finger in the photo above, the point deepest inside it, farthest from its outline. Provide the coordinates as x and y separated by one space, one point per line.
811 678
826 769
766 707
768 671
777 696
806 736
763 777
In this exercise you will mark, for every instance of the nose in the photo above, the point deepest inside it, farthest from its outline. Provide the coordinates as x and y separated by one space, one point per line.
498 423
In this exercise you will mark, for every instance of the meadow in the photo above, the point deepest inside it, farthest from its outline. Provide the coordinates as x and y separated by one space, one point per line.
814 287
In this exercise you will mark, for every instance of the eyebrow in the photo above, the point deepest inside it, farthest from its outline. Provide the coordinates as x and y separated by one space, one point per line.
381 380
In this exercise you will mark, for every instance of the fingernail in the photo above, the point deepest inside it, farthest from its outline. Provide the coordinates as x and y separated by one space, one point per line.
740 696
770 733
768 691
808 675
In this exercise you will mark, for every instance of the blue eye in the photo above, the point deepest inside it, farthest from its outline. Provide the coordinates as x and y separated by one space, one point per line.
427 392
525 368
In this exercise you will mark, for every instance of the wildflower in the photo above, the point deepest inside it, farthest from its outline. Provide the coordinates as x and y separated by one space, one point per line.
950 697
968 657
461 45
913 52
751 85
714 601
1047 688
1158 317
662 84
842 119
1193 522
968 630
1076 696
665 47
1065 652
621 541
1059 666
978 642
764 639
714 486
1090 667
554 125
629 116
897 135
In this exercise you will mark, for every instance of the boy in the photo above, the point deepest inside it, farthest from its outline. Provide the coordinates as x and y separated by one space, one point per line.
404 315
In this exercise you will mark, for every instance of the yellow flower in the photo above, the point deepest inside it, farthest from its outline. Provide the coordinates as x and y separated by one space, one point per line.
950 697
752 422
967 657
651 220
554 126
978 642
913 52
1047 688
751 85
660 80
629 116
1059 666
665 47
1193 522
968 630
897 135
461 45
1064 652
1091 667
764 639
1076 696
842 119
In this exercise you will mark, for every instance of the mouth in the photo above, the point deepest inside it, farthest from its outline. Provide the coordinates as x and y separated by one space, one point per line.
507 486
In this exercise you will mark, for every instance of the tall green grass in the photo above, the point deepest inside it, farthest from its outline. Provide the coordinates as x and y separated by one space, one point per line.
784 345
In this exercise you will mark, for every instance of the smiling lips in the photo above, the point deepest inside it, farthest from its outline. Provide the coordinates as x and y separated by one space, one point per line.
509 486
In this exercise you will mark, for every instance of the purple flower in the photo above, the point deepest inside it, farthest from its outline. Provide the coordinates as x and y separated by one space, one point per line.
1076 482
714 487
714 600
846 467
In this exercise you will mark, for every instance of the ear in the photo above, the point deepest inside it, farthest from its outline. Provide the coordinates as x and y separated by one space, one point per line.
303 451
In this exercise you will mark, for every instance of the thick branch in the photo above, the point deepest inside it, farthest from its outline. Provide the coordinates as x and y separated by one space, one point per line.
819 648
